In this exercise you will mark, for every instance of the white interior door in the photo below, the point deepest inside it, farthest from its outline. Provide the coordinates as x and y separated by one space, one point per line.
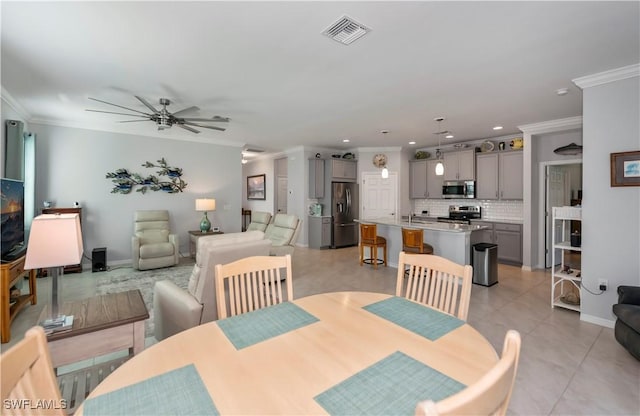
281 205
379 196
558 194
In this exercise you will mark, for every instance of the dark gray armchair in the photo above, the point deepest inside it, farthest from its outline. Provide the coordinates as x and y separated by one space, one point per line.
627 329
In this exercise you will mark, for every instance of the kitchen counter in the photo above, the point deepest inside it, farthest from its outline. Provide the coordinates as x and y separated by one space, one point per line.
451 241
499 221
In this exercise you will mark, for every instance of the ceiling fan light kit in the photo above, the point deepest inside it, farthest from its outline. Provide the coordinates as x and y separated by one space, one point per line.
163 118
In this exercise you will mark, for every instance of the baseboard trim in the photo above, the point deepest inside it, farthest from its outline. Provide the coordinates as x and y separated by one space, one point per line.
607 323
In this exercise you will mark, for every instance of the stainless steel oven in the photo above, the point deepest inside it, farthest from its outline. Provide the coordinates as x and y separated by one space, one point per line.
459 189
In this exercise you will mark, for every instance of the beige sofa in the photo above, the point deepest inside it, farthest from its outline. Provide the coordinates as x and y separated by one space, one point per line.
175 309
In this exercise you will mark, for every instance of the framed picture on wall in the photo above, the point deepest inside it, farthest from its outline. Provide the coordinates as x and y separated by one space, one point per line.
625 169
255 187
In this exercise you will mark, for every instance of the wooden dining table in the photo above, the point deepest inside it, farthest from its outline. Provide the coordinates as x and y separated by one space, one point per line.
296 371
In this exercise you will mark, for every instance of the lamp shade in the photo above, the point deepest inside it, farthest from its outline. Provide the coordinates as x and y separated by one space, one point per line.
55 240
205 204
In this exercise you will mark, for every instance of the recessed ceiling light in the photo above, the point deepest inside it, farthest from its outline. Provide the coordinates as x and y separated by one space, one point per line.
384 131
497 128
412 142
562 91
345 140
449 136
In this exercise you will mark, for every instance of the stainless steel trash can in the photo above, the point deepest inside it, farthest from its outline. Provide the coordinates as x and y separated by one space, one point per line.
485 264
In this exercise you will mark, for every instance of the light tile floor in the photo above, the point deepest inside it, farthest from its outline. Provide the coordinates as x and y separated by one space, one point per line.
567 367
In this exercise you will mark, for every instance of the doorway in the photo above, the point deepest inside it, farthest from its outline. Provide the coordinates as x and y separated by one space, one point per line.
562 187
282 184
379 196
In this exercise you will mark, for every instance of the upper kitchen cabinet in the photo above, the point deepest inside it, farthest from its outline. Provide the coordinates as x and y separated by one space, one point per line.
460 165
344 170
499 175
423 181
316 178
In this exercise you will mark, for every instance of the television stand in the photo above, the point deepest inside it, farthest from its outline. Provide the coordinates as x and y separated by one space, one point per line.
10 274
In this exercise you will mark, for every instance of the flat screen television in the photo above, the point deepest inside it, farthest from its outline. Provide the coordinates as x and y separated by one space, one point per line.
12 210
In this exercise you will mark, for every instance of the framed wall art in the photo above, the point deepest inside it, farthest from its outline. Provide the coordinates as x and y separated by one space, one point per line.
625 169
256 187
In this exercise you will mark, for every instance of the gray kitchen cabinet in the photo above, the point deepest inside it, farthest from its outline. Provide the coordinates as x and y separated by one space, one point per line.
434 182
345 170
460 165
487 176
511 176
417 179
507 236
319 232
499 175
423 181
316 178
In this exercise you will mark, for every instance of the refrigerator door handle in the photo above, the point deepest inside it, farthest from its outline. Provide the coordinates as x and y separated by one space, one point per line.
348 200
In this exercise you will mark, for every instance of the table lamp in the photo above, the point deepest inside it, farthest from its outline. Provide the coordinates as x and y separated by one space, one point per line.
204 205
55 241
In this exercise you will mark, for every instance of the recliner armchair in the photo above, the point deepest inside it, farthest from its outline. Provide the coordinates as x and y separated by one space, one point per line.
627 328
259 221
153 246
283 233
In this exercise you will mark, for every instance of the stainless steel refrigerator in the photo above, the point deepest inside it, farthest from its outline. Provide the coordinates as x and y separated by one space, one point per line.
344 210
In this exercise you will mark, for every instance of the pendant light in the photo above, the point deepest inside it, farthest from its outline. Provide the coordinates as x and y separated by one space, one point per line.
439 165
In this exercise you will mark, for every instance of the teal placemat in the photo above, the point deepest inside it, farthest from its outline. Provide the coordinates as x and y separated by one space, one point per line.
178 392
392 386
257 326
419 319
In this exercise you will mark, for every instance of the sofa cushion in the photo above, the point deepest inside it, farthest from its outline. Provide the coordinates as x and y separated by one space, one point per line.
152 236
629 314
149 251
227 239
281 231
259 221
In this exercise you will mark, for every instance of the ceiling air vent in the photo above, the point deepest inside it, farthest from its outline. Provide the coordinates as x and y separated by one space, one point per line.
346 30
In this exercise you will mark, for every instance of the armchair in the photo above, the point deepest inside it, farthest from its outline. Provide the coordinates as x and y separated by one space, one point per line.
627 328
283 233
259 221
175 309
153 246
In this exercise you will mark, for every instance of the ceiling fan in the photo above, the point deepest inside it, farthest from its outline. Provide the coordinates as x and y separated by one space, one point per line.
163 118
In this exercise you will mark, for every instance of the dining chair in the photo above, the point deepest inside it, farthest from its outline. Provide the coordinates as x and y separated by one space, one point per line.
435 281
27 375
488 396
252 283
369 238
413 241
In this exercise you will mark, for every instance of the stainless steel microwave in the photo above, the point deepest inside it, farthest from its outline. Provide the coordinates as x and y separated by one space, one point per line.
459 189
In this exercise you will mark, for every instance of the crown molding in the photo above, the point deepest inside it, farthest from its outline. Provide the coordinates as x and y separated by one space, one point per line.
379 149
180 137
15 105
552 126
605 77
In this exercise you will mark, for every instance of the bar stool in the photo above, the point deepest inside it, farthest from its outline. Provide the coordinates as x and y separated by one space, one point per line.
369 238
413 242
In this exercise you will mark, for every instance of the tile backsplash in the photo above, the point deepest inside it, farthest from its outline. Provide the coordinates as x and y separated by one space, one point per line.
491 210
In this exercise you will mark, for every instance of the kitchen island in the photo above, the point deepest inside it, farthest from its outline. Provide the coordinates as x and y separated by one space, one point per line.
451 241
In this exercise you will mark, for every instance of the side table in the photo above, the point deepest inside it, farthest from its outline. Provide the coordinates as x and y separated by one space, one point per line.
11 272
193 239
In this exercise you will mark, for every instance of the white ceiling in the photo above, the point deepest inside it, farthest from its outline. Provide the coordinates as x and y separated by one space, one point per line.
267 66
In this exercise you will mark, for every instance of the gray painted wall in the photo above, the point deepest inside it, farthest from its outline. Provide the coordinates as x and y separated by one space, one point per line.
71 164
611 216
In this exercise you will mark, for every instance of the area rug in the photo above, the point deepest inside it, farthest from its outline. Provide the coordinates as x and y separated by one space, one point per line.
121 280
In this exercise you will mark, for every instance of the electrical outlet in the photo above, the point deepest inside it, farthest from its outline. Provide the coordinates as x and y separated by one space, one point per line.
603 284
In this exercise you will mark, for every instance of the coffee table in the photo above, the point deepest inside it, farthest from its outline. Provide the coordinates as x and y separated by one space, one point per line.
101 325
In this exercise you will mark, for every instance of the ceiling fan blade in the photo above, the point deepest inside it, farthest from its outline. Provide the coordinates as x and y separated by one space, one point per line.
122 114
221 119
182 126
146 103
186 110
131 121
116 105
205 119
201 125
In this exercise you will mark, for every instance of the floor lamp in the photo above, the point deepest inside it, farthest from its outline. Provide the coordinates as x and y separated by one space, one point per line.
55 241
